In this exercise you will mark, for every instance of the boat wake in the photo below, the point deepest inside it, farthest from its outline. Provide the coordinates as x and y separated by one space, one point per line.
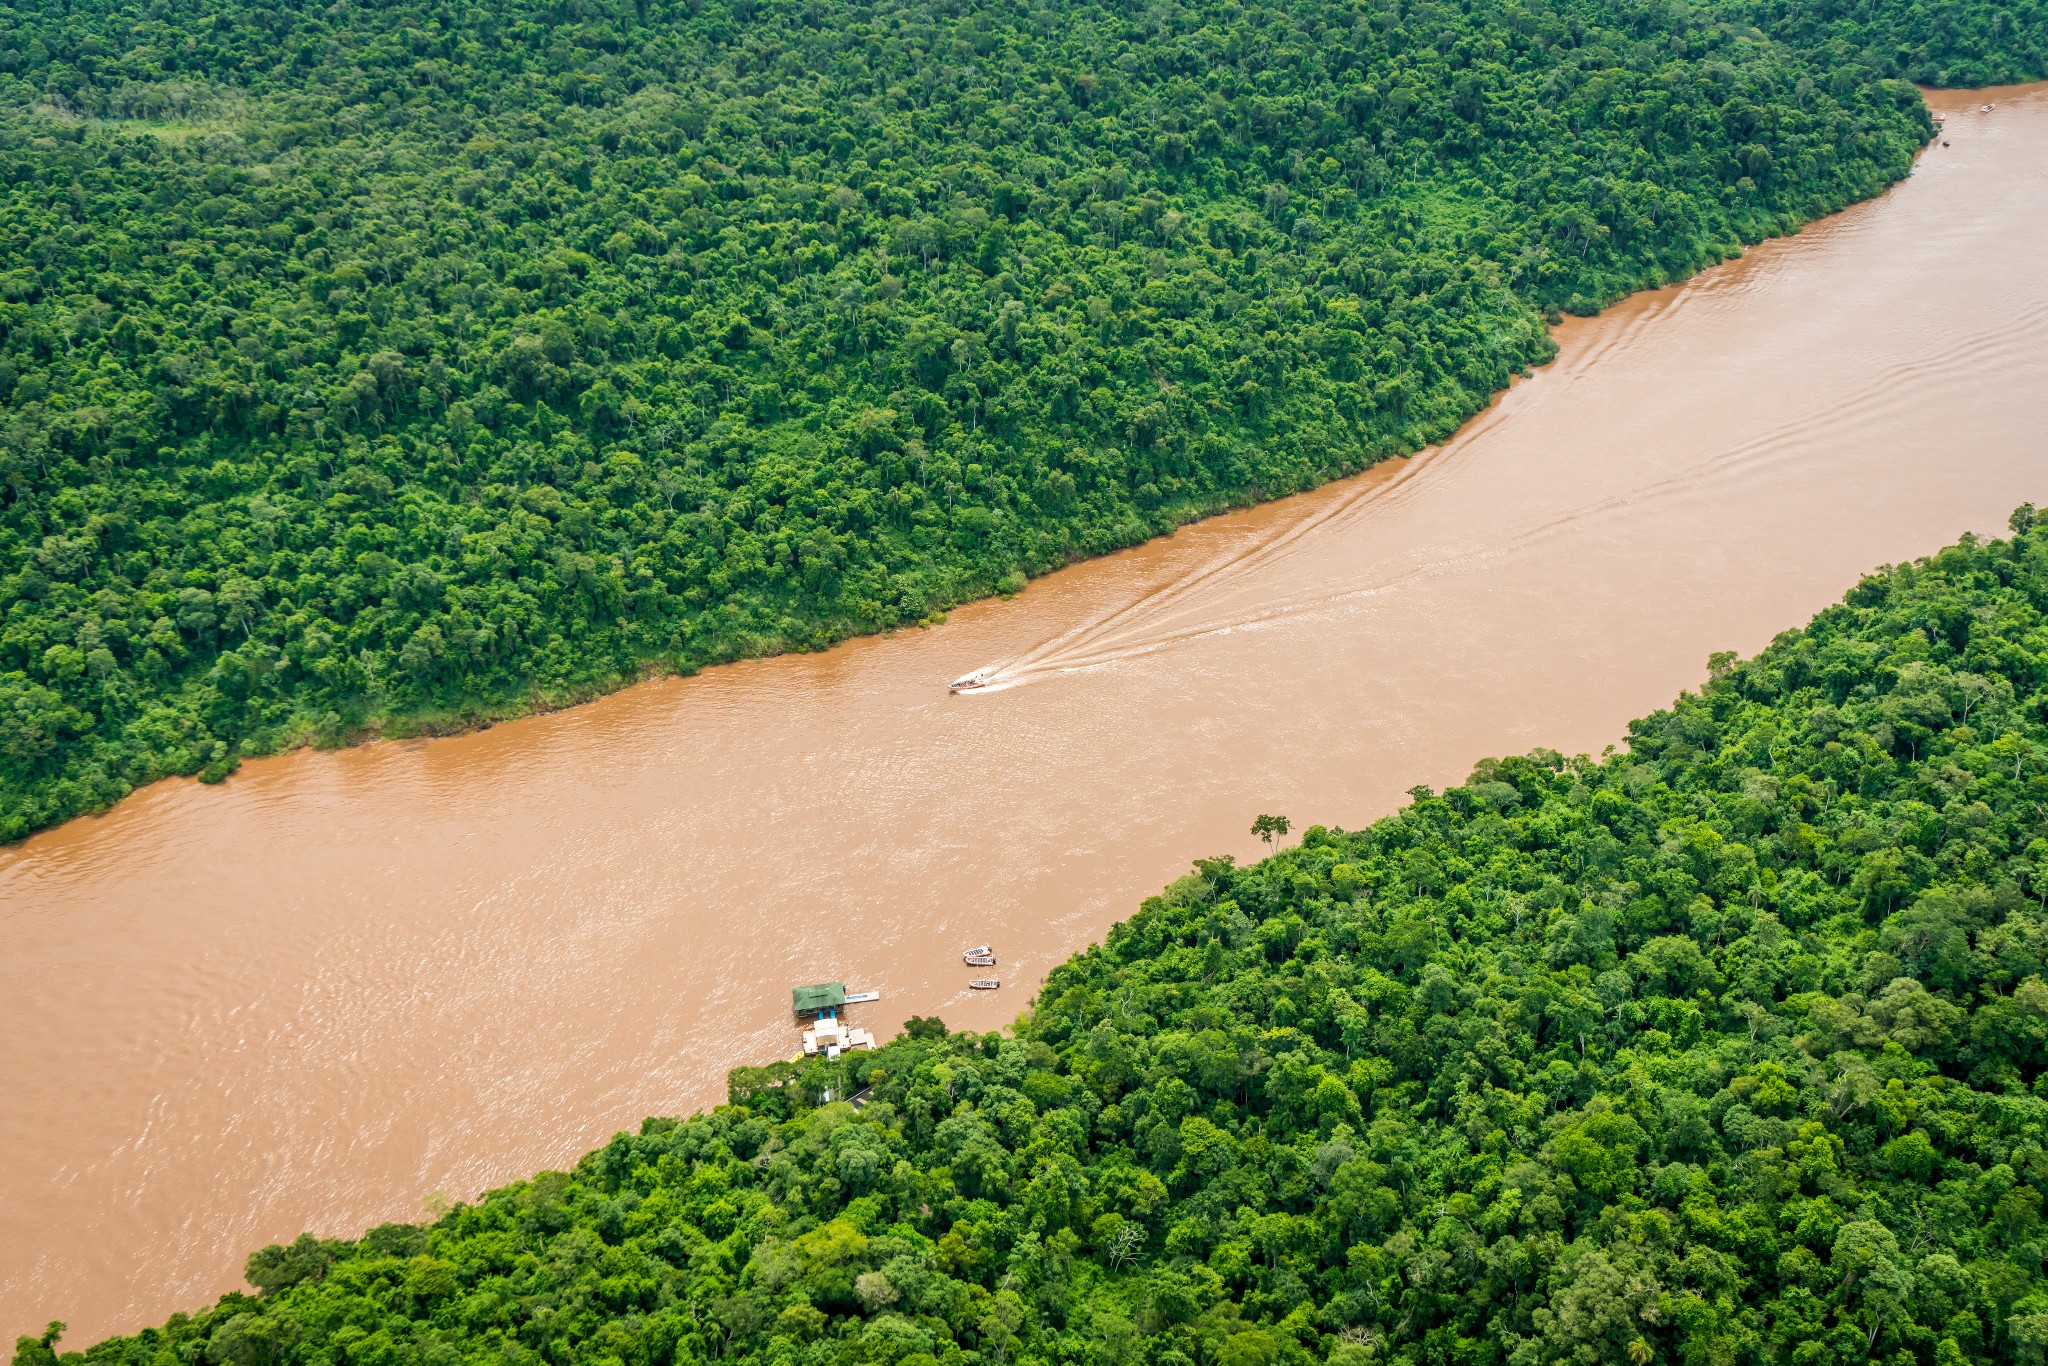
1185 609
1212 599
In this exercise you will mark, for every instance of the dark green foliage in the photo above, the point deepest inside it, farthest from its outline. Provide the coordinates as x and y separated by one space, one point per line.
1932 42
277 1268
1730 1048
385 366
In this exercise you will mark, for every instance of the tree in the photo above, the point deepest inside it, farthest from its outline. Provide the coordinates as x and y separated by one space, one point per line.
1269 828
39 1351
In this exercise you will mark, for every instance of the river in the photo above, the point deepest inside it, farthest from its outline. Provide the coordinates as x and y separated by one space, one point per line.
339 983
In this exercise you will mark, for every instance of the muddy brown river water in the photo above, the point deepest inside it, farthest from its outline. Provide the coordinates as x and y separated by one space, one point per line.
342 982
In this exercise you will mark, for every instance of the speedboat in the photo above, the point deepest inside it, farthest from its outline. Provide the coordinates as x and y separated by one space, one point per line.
984 984
973 682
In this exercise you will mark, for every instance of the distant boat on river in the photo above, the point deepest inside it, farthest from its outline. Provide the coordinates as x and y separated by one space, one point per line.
984 984
973 682
981 957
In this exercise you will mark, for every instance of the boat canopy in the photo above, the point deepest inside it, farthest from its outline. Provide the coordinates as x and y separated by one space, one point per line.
824 996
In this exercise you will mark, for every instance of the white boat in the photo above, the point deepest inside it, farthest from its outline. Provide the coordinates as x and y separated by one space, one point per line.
973 682
978 960
984 984
979 951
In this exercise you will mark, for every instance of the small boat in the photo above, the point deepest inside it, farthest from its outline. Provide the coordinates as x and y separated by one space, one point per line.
984 984
973 682
978 960
980 951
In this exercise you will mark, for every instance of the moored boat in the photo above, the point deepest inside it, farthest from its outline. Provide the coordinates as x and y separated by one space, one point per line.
980 957
984 984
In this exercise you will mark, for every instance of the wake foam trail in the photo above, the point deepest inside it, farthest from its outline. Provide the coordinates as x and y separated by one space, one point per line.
1155 604
1156 619
1147 623
1138 624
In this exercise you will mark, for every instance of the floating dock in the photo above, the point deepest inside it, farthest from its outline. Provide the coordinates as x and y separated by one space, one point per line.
828 1034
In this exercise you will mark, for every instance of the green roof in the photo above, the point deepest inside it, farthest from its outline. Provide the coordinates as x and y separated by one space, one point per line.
825 996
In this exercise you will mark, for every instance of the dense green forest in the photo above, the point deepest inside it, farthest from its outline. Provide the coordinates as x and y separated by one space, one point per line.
1728 1048
382 366
1933 42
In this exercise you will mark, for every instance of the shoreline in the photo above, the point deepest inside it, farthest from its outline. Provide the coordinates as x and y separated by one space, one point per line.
459 961
467 721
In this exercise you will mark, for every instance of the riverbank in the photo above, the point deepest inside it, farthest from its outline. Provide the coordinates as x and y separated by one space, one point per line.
211 760
1506 1068
347 980
396 479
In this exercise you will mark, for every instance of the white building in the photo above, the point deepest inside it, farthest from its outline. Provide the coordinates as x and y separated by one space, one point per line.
833 1036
